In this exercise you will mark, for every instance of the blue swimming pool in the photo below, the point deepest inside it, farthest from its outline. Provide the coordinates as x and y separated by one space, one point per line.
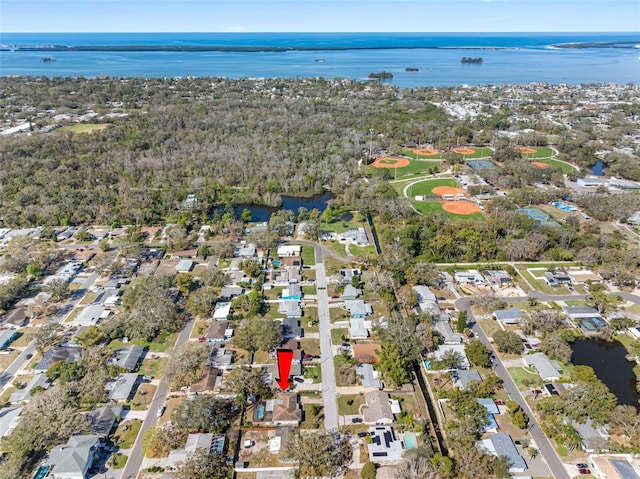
410 441
260 412
41 473
563 206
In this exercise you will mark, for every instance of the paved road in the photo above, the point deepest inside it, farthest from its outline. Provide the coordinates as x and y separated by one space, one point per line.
9 373
324 250
134 462
547 451
326 352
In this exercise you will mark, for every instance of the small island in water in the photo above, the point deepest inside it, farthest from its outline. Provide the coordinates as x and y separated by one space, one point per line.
383 75
471 60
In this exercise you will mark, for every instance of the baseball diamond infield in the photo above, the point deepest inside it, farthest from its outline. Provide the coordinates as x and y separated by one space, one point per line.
460 207
390 162
540 165
447 190
527 150
463 150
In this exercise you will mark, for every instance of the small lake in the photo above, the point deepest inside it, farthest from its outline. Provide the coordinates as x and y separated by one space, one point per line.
607 358
596 170
260 213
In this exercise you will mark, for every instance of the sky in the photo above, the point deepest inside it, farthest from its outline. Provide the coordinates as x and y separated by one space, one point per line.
70 16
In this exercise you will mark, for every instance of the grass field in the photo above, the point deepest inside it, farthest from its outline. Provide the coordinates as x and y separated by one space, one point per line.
481 152
84 127
520 374
350 403
126 434
423 188
543 152
565 167
411 154
414 167
428 207
308 255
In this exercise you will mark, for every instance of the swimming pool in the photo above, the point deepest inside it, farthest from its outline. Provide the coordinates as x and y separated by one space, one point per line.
42 472
260 412
563 206
410 441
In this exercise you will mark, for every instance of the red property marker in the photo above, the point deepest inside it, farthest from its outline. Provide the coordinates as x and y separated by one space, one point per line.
285 358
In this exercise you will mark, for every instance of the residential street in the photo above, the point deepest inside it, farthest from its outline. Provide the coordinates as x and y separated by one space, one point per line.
134 462
547 451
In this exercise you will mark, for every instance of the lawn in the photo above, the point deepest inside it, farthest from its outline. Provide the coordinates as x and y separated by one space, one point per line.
308 255
84 127
308 290
25 336
411 154
428 207
339 226
154 347
561 165
520 375
126 434
313 416
414 167
7 358
143 397
313 372
350 403
310 346
423 188
337 247
339 335
153 366
118 461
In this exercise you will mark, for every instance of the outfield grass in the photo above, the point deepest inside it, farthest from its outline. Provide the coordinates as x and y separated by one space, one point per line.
84 127
308 255
414 167
543 152
479 152
411 154
561 165
423 188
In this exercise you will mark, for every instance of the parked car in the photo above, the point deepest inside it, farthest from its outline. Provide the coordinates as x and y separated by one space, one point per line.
535 392
582 465
582 470
298 379
161 411
363 434
356 420
499 403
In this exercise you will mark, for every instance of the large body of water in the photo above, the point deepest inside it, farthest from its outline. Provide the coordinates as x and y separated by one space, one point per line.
607 358
508 58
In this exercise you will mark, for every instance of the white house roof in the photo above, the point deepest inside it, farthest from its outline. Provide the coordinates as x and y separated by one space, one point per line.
384 446
194 442
575 312
221 311
9 418
501 444
128 356
90 315
358 328
453 347
74 458
121 388
184 265
358 307
368 375
424 293
290 308
511 315
289 250
24 394
547 370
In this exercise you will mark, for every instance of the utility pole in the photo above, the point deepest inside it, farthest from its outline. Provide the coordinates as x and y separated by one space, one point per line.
370 144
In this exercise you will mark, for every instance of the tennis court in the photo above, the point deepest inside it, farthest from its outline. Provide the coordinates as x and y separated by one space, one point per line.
540 216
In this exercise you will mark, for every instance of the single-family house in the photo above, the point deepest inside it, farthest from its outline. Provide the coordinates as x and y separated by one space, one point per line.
359 328
384 447
90 315
207 383
634 219
458 348
498 277
286 410
378 410
555 278
23 395
355 236
122 388
351 292
9 419
501 444
292 262
245 251
208 442
547 369
358 308
56 354
592 438
368 376
288 250
508 316
592 182
6 337
291 309
217 331
74 459
589 318
348 274
293 292
445 331
222 311
492 410
615 466
462 377
366 353
185 266
127 357
230 292
424 293
104 418
581 276
185 253
471 276
431 308
291 328
223 358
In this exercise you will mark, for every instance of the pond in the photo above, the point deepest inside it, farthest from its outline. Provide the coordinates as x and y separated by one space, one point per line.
596 170
607 358
260 213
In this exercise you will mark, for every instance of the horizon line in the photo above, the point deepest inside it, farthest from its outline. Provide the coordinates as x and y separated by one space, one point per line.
328 32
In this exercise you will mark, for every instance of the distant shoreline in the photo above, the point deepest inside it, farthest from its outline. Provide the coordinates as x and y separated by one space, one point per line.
228 48
582 45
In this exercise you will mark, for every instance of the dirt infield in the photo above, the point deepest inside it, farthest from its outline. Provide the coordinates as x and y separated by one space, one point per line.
538 164
390 162
460 207
463 150
426 151
447 190
527 150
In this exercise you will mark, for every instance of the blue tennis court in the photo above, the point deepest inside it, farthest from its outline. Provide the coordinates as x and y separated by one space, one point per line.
476 165
540 216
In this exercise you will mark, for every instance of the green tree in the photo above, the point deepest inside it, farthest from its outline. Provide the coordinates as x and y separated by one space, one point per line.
500 467
508 342
368 470
247 381
201 464
393 365
187 363
58 288
477 353
204 413
316 453
461 323
202 302
48 335
185 283
518 416
258 334
246 216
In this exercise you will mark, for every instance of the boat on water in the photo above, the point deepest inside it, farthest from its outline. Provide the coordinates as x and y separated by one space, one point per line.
411 69
47 60
320 60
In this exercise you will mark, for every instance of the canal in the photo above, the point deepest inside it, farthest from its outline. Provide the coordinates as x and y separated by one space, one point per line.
608 360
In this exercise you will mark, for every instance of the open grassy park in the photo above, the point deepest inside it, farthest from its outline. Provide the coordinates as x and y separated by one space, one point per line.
471 152
428 207
84 127
561 165
423 188
414 167
541 152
